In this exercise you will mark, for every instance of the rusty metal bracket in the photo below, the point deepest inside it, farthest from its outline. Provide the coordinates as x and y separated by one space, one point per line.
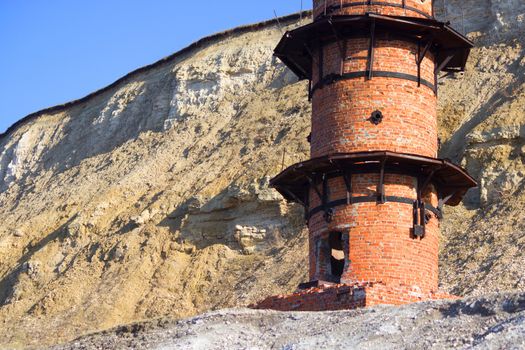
329 212
444 63
370 62
443 201
427 181
439 69
347 178
307 206
447 74
313 184
381 198
320 63
419 228
314 60
326 190
309 51
291 194
435 79
337 38
342 47
422 217
420 56
348 183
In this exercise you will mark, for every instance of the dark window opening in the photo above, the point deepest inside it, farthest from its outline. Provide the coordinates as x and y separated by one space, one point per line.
337 257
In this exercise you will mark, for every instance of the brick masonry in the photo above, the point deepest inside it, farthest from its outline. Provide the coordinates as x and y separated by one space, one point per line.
341 110
381 246
368 248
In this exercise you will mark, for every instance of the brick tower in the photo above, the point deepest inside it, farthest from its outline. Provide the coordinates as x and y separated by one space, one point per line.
373 190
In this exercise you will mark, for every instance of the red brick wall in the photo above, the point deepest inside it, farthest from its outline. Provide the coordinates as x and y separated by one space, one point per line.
381 245
341 110
424 6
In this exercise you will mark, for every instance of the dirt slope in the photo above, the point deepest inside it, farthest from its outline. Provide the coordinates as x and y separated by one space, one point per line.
494 322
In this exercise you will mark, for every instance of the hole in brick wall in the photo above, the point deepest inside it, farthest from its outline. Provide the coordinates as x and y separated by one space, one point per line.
376 118
331 256
337 257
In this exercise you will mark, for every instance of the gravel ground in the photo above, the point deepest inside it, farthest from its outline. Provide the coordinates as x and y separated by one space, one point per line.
491 322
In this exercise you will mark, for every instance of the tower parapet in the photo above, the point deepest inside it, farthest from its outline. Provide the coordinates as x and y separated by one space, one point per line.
407 8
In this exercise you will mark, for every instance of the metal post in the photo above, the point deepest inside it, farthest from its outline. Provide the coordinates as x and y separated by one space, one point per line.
420 57
321 61
342 47
381 198
371 49
278 22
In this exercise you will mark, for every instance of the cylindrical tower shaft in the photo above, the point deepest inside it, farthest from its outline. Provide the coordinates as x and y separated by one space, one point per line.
373 189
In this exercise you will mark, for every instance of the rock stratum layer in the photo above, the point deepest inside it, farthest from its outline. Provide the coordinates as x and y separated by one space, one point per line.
150 197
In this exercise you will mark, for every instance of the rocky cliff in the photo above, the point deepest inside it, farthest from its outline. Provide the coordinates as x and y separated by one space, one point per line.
150 197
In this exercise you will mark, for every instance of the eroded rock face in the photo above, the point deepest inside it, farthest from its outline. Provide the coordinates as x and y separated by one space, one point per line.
151 198
248 237
489 18
484 107
129 201
250 218
482 118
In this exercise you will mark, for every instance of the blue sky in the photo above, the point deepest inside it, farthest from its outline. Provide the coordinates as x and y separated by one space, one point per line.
58 50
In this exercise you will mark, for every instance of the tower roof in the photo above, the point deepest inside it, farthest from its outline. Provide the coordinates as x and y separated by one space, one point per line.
295 48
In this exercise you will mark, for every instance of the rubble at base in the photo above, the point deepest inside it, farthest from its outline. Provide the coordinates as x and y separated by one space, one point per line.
348 296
